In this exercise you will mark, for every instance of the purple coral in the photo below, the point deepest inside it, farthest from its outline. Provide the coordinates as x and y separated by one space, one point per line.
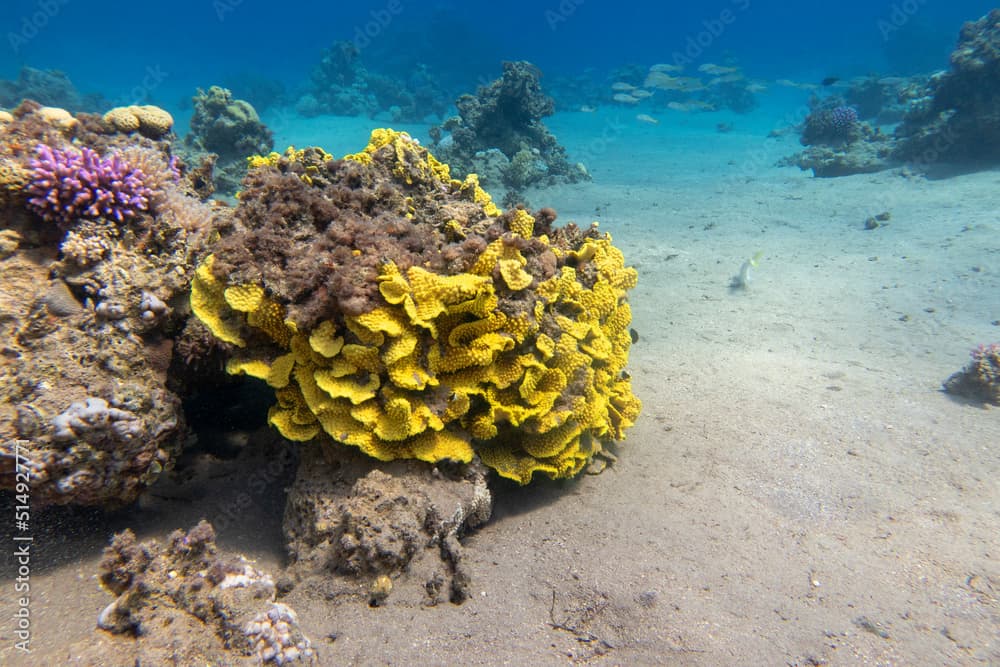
842 118
69 184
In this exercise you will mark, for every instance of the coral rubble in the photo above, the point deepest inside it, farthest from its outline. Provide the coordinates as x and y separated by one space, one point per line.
507 115
397 310
980 379
224 606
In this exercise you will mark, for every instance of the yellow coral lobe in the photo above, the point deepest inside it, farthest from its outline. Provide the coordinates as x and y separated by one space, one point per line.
284 421
363 357
407 373
208 303
253 367
471 189
281 370
434 446
269 317
269 160
513 273
545 346
324 339
345 387
522 223
244 298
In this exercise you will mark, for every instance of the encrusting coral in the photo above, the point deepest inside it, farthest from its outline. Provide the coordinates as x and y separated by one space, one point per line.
399 311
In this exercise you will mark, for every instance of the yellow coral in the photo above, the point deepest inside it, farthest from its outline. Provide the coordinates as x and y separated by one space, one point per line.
151 121
312 156
446 367
208 302
411 163
522 223
471 188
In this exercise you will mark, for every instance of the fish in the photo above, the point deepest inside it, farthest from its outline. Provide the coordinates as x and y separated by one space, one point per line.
641 93
717 70
667 82
665 68
586 108
693 105
646 118
829 81
625 98
726 78
795 84
622 87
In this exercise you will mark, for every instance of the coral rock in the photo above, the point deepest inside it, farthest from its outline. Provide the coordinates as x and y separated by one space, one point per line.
150 121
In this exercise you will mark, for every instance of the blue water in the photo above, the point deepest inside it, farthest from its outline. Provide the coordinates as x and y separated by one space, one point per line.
160 53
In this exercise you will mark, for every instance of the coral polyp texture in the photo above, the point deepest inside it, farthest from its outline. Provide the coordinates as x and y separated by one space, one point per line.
67 184
399 311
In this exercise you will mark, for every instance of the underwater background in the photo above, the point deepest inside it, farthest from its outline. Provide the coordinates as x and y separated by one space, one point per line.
197 44
691 356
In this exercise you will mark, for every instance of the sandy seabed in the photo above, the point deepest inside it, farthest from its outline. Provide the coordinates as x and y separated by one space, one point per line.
798 489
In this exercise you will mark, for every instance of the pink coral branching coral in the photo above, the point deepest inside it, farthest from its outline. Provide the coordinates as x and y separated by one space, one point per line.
68 184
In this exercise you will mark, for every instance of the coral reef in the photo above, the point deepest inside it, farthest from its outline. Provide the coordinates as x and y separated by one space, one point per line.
260 91
48 87
342 85
229 128
223 606
397 310
507 115
344 517
96 264
957 119
980 379
839 143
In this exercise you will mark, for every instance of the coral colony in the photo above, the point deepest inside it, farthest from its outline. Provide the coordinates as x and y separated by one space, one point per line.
66 185
842 118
